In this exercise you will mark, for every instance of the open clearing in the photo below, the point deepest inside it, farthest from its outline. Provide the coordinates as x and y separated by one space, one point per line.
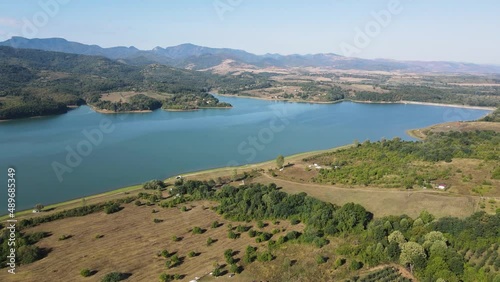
125 96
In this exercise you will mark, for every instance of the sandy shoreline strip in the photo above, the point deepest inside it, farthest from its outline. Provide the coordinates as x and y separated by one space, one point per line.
449 105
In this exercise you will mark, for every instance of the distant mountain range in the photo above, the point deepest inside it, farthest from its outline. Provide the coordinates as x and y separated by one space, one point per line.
199 58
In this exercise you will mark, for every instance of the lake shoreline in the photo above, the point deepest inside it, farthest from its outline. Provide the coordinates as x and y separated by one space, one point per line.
364 102
138 186
104 111
240 113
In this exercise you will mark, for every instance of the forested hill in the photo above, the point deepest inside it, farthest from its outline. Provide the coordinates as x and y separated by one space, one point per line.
35 82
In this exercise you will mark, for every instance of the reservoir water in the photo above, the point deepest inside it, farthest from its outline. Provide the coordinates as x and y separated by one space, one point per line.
82 152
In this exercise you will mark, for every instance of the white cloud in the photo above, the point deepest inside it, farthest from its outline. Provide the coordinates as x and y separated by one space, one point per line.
10 22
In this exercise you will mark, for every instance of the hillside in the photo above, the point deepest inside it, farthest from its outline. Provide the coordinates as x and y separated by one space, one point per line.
254 232
35 82
199 57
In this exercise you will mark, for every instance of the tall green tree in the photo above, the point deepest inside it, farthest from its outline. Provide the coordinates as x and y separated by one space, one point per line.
412 254
280 161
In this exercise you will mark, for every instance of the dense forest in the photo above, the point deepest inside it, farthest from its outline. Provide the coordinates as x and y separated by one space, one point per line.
419 93
398 163
192 102
139 102
449 249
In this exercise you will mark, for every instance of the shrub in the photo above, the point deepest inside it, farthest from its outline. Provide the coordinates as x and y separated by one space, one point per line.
166 277
355 265
232 235
235 268
252 233
241 228
320 242
197 230
192 254
154 185
215 224
228 253
292 235
28 254
264 236
157 220
217 271
249 254
165 254
261 224
112 208
175 260
281 240
210 241
138 203
113 277
265 256
338 263
64 237
85 272
320 259
176 239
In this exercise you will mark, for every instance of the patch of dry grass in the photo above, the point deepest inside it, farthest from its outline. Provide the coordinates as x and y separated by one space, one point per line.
130 243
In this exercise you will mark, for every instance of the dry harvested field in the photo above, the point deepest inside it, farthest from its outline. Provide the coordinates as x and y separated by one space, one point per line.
130 243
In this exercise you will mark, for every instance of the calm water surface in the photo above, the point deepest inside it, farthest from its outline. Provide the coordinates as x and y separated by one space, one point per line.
138 147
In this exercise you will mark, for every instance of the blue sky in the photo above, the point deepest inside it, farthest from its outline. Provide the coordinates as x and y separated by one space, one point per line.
458 30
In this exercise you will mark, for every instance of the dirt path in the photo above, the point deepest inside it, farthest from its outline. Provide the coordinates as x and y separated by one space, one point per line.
402 270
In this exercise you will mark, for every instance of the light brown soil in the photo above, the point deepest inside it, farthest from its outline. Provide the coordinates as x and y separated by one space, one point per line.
131 242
